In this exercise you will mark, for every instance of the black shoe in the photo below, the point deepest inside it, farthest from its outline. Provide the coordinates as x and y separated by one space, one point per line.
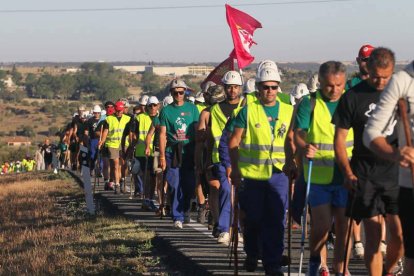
216 231
284 261
250 264
202 214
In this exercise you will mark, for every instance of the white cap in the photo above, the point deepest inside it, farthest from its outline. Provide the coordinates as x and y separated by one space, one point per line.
96 109
143 100
75 114
125 101
232 77
268 74
191 99
167 100
266 64
177 83
153 100
313 83
249 86
200 97
298 92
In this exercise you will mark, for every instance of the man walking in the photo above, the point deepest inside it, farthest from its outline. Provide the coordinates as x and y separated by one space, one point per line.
400 86
177 136
257 156
374 181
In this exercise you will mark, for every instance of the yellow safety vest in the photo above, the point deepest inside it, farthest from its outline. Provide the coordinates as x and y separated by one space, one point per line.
201 107
260 149
218 122
115 131
145 122
321 133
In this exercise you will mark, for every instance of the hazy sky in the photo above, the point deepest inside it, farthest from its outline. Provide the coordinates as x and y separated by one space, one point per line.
293 32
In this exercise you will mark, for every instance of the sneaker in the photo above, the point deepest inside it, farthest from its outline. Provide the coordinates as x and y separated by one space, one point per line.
106 186
250 264
331 241
383 248
116 186
284 261
216 231
224 237
241 239
111 186
202 213
178 224
323 271
273 271
358 250
187 217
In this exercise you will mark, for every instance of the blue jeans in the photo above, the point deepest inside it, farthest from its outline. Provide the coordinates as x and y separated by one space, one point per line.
224 198
181 183
264 204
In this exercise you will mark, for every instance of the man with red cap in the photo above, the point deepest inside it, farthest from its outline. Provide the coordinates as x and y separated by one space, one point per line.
113 129
362 59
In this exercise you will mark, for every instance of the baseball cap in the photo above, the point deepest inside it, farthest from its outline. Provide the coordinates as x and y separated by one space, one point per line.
153 100
119 106
365 51
143 100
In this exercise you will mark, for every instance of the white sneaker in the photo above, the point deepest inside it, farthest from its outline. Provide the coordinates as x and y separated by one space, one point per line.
187 217
241 237
178 224
383 248
224 237
358 250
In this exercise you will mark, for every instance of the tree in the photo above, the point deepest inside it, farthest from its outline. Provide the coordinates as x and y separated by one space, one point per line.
151 83
16 76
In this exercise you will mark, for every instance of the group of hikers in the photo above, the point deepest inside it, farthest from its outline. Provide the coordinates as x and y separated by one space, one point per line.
245 151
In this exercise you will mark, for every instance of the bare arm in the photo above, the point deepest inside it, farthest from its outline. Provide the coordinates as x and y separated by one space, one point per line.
104 135
163 143
309 150
148 140
342 157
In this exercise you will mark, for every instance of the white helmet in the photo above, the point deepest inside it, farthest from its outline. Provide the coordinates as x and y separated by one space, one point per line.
177 83
167 100
268 74
191 99
200 97
298 92
143 100
249 86
96 109
232 77
313 83
266 64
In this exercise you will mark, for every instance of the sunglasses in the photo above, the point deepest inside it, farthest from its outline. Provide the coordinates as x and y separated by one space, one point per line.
178 93
365 59
268 87
152 105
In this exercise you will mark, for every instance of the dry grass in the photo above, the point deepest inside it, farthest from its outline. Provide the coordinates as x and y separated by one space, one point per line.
45 231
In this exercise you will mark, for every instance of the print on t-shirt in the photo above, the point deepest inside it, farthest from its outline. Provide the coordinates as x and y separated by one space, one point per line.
180 134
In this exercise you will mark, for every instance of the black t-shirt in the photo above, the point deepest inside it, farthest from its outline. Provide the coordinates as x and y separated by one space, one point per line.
353 111
227 109
47 152
92 125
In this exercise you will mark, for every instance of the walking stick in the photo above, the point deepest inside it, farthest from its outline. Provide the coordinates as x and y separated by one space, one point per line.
234 241
290 221
98 159
402 106
304 217
348 237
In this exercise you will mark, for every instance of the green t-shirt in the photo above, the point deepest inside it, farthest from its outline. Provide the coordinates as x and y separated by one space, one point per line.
272 112
352 82
303 122
180 123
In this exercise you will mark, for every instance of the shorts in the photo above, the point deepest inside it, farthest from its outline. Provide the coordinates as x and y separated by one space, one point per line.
114 153
373 198
406 206
156 162
335 195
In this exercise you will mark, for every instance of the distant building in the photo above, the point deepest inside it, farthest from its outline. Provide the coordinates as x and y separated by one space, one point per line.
9 82
194 70
71 70
19 141
131 69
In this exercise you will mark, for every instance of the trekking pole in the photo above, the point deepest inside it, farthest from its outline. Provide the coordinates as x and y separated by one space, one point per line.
236 230
98 160
304 217
348 237
290 221
402 106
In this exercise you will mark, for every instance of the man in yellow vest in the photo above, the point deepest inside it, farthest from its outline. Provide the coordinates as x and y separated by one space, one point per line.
220 192
113 129
257 156
314 135
142 125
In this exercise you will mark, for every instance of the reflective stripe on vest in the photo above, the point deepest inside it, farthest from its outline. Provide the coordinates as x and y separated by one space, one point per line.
218 122
115 131
321 133
144 125
260 149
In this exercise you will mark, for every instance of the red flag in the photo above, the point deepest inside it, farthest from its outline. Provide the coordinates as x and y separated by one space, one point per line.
217 74
242 27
